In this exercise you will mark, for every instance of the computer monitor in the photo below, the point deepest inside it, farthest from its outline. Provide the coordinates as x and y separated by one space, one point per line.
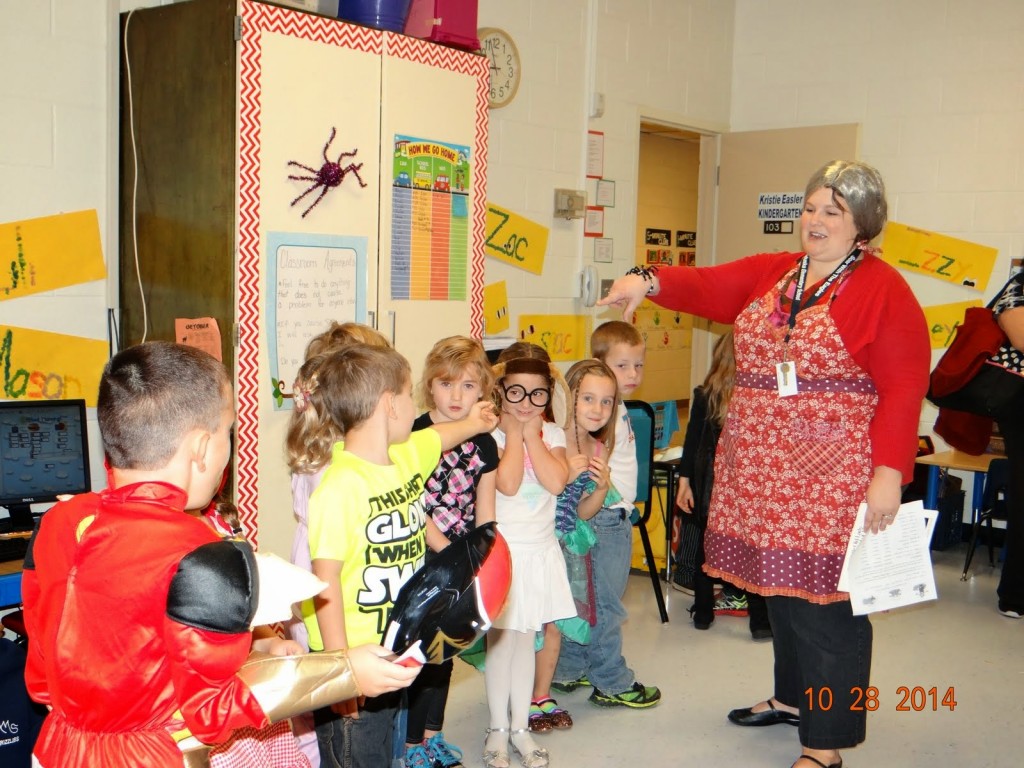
44 452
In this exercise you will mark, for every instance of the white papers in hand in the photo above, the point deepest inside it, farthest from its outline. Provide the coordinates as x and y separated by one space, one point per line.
282 584
892 568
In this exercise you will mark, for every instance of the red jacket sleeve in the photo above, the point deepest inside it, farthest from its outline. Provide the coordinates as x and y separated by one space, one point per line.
885 331
721 292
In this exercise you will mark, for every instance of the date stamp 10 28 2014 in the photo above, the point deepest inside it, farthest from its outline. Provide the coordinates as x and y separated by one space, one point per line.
916 698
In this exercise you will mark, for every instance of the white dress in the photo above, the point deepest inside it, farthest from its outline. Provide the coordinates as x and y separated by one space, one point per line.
539 592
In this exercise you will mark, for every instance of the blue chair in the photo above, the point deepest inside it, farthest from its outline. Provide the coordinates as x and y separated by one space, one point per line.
993 506
641 419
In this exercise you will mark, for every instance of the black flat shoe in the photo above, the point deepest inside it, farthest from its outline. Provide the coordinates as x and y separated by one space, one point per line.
770 716
701 619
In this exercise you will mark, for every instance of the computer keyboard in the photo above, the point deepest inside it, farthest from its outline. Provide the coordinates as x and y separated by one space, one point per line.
13 549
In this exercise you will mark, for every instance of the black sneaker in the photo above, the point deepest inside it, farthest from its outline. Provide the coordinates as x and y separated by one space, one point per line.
570 685
761 634
1010 611
639 696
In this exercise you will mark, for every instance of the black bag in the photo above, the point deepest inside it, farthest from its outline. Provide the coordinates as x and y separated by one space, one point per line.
988 391
988 394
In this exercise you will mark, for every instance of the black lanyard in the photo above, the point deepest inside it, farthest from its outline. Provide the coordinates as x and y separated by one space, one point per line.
801 280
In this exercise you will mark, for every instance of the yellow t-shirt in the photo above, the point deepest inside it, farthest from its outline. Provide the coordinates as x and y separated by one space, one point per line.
371 518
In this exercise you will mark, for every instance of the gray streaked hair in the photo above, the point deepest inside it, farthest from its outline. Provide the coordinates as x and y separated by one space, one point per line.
862 191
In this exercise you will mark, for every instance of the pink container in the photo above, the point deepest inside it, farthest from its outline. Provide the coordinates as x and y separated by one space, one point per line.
449 22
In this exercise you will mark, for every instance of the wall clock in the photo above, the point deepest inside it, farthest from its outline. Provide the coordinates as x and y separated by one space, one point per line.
504 64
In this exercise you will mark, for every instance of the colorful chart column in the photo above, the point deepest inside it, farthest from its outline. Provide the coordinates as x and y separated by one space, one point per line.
430 220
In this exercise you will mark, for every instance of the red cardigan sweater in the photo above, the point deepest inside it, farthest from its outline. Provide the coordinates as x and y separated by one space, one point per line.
876 315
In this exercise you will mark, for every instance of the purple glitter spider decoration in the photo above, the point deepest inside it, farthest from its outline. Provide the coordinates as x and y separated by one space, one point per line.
331 174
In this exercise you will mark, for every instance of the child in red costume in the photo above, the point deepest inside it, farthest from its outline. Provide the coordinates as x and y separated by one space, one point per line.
139 613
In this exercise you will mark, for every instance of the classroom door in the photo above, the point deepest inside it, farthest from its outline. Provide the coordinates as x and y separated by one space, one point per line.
756 168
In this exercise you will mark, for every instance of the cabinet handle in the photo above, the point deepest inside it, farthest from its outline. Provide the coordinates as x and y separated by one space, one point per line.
394 320
371 317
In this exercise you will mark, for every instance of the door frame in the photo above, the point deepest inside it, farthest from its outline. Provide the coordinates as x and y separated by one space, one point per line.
702 339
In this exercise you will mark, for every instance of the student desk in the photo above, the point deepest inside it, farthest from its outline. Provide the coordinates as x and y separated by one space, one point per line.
960 461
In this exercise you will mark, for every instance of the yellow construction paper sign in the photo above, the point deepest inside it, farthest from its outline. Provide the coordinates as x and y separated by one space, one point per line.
50 252
515 239
565 337
38 365
495 308
944 319
947 258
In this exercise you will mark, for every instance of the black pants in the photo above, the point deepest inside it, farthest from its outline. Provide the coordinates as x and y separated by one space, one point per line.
428 696
704 595
822 667
1011 583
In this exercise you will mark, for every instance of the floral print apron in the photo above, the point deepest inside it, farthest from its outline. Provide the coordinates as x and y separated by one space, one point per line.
790 472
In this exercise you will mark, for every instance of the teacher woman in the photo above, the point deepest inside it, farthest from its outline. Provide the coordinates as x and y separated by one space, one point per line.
832 360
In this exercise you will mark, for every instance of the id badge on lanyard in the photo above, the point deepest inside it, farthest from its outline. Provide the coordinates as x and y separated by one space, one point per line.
785 371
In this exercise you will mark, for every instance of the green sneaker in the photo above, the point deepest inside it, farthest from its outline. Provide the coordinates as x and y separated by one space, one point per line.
571 685
639 696
731 605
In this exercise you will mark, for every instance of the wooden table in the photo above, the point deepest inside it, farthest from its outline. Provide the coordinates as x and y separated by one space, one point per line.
960 461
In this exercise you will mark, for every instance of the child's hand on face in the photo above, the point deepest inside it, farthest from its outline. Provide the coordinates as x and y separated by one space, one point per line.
511 425
532 427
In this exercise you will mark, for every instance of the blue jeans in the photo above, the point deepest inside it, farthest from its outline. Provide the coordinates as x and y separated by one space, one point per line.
602 660
366 742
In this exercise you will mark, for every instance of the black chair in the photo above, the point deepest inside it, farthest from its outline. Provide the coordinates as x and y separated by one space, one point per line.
641 418
993 506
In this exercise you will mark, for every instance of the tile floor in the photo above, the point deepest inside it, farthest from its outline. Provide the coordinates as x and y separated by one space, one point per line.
958 642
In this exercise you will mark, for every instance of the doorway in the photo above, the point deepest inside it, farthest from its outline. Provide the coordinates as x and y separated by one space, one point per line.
667 232
668 177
